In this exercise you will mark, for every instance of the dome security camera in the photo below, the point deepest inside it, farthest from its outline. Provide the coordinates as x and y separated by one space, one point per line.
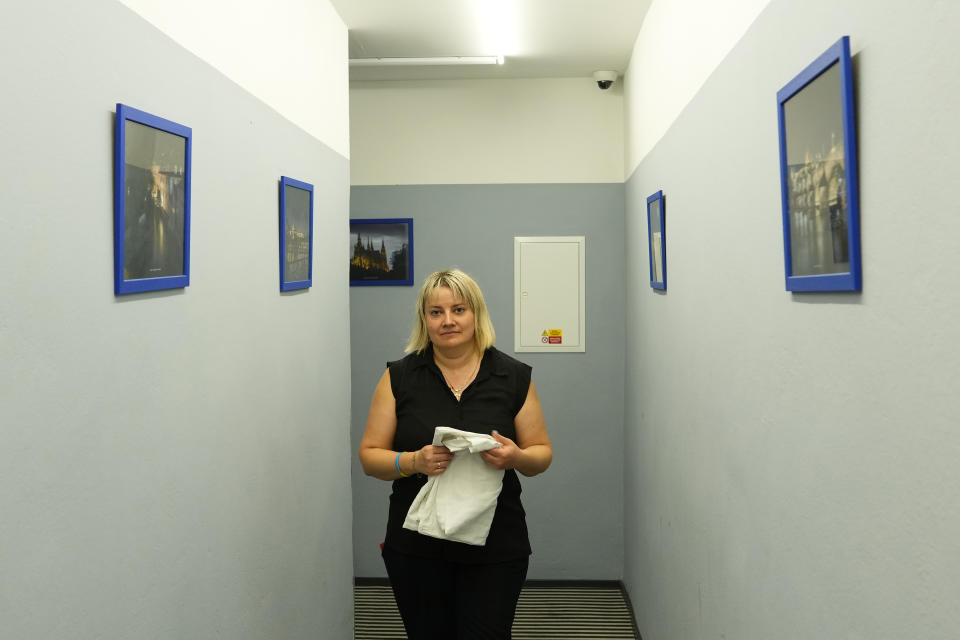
605 79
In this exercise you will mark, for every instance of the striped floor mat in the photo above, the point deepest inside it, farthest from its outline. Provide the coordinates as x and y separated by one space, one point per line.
545 612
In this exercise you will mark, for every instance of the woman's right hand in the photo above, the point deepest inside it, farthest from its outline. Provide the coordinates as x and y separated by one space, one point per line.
376 453
432 461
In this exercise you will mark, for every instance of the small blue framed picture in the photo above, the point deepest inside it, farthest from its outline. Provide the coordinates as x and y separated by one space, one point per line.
296 234
657 240
818 175
381 251
151 202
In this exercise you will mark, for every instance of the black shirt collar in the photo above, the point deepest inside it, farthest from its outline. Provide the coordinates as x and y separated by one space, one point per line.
490 364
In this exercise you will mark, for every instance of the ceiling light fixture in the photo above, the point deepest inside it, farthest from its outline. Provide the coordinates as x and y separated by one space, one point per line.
425 62
496 26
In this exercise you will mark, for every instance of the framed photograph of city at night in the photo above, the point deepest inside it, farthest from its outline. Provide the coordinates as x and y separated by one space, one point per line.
151 202
381 251
818 175
657 241
296 234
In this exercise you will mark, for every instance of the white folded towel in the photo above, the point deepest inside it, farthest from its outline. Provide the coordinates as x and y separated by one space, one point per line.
459 503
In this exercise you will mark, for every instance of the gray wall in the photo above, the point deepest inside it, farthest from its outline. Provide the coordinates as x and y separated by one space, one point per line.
792 459
574 509
174 464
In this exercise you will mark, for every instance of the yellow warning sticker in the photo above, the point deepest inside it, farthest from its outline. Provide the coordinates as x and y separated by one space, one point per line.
544 332
556 333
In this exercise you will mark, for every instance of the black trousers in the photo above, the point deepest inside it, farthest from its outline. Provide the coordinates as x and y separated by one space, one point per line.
441 600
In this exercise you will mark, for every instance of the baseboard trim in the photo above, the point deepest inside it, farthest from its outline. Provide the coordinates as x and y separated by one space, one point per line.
571 584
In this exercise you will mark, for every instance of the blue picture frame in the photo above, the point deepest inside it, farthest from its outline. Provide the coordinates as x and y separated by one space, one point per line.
818 175
657 240
381 252
151 203
296 242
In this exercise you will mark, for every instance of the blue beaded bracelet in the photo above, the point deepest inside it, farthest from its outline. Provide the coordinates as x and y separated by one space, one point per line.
396 463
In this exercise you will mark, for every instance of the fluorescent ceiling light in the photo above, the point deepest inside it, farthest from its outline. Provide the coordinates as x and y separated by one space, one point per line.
424 62
497 25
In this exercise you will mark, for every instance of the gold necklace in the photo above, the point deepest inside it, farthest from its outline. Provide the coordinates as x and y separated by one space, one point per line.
458 391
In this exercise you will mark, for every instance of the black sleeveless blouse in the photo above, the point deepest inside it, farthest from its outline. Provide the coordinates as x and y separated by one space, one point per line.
423 402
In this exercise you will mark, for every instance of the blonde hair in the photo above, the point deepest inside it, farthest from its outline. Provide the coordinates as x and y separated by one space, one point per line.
463 287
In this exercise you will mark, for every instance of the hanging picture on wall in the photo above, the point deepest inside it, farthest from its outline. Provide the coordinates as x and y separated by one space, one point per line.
151 202
381 251
296 234
656 241
818 176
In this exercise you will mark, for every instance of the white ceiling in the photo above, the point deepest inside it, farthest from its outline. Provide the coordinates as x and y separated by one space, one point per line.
539 38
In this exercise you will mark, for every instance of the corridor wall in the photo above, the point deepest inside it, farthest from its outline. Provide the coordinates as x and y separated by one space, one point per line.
792 457
573 510
175 464
475 163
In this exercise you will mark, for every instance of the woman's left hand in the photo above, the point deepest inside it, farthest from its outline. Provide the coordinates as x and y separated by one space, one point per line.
505 456
531 453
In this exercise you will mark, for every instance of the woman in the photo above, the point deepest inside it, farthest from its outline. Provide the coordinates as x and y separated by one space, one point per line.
454 377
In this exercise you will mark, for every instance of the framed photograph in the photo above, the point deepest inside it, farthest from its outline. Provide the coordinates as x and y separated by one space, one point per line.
381 251
296 234
151 203
818 175
657 241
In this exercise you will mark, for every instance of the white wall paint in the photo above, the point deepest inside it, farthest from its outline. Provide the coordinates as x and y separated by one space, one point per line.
173 464
485 131
290 54
792 458
679 45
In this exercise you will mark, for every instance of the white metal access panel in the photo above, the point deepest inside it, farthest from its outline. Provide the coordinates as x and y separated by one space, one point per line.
549 300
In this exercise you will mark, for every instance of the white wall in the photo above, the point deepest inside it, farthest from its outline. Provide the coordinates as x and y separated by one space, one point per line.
291 54
791 459
559 130
173 464
679 45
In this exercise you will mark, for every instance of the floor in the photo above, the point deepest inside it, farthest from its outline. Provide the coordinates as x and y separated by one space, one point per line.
546 611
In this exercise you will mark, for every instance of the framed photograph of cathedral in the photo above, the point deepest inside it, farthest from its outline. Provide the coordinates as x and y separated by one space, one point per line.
818 175
296 234
151 202
381 251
